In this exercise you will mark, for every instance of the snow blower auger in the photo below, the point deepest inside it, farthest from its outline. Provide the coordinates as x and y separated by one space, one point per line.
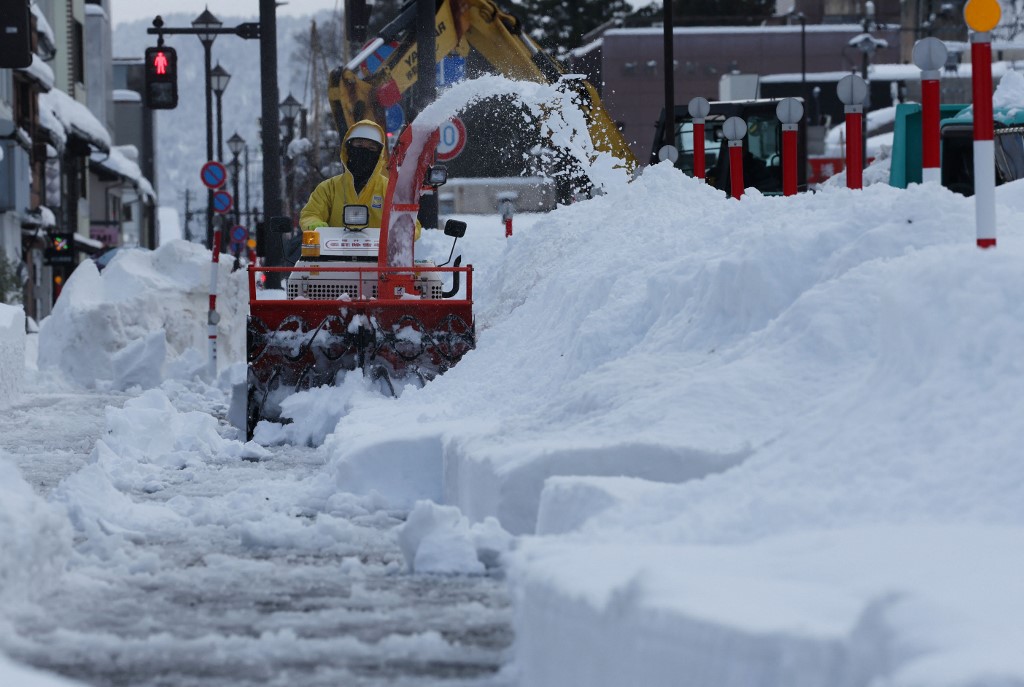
357 299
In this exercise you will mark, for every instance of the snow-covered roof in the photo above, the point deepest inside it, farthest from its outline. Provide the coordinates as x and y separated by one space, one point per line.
890 72
121 95
76 118
119 163
89 242
95 11
39 72
584 50
692 30
41 217
42 26
48 120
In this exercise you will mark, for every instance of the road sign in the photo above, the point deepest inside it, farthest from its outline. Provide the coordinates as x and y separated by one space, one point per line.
452 139
213 174
239 234
394 118
222 202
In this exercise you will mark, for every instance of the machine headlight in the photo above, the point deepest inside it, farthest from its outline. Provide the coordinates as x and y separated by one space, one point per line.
356 215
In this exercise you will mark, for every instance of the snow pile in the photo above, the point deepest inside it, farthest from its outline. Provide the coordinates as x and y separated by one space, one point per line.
12 352
13 674
34 541
439 539
119 327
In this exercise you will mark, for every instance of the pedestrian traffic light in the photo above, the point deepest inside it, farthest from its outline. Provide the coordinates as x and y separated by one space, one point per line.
161 78
15 41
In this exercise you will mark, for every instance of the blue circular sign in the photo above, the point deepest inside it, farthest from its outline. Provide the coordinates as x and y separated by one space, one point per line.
222 202
394 118
213 174
239 234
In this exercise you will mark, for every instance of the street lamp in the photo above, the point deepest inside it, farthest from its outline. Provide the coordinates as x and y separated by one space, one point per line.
236 144
220 77
206 25
290 109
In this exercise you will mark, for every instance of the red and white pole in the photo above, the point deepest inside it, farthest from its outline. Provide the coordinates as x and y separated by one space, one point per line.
930 55
853 93
854 146
931 161
213 317
736 168
734 129
790 112
699 108
699 169
984 145
790 134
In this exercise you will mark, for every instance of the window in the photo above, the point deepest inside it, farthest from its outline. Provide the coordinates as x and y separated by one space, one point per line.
77 54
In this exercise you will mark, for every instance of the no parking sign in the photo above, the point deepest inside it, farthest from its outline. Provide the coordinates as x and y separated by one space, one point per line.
452 139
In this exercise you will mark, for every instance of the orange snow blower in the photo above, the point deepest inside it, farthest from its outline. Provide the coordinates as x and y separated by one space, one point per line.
358 299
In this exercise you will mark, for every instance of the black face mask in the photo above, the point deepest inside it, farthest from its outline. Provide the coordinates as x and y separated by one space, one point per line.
361 162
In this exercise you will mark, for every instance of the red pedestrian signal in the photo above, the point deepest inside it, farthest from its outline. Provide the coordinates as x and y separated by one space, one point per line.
161 78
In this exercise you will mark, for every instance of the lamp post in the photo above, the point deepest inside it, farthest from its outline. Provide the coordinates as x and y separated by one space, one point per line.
236 144
290 109
219 78
803 54
206 25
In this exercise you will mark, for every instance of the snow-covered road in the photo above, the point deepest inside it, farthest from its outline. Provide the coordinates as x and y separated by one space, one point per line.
217 601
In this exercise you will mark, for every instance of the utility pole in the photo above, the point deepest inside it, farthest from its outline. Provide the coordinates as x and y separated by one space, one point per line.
670 75
426 89
270 137
188 215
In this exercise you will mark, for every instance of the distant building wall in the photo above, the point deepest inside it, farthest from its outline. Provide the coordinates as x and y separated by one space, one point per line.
632 64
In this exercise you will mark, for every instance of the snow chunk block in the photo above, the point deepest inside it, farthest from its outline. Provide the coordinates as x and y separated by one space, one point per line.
141 362
12 352
439 539
35 540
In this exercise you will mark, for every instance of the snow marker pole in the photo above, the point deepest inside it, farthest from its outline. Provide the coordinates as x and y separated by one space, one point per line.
734 129
789 155
790 112
698 149
736 168
931 164
213 318
854 144
699 108
983 16
930 55
984 143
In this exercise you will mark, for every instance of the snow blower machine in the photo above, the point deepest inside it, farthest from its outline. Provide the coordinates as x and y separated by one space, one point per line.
358 299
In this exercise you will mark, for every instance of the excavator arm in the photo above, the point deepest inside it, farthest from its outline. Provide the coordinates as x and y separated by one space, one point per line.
387 67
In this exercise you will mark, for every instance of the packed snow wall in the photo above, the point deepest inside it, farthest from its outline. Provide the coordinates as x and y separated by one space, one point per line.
147 309
12 352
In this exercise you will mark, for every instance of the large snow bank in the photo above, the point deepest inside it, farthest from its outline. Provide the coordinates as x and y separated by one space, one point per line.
105 328
817 399
12 352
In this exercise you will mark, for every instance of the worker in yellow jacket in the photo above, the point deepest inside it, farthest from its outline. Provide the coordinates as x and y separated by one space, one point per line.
364 181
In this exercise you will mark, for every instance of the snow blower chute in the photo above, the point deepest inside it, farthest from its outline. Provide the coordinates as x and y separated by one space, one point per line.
357 299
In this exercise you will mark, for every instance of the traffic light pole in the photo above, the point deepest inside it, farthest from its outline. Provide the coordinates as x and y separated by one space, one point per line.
264 31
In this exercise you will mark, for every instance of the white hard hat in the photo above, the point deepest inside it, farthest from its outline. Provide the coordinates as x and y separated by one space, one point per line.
365 131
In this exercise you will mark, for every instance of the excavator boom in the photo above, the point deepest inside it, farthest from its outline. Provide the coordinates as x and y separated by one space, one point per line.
387 67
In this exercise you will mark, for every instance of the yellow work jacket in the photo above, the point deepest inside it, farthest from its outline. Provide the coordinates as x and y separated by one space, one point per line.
328 200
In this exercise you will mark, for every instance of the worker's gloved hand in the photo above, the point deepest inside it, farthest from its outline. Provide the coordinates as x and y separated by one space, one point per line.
316 225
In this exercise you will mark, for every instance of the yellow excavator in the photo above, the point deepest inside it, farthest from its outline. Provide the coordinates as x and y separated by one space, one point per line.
386 67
